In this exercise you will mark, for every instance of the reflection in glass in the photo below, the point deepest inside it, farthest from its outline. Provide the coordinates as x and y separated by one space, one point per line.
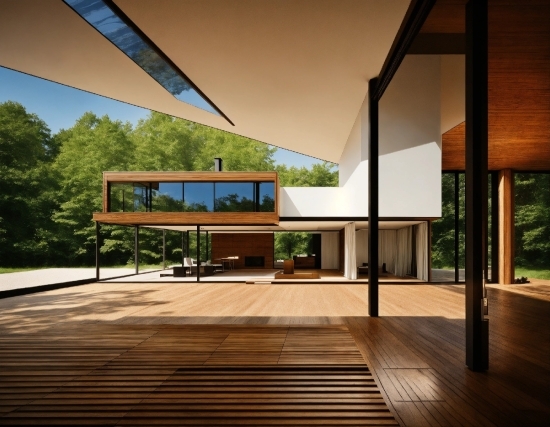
199 196
267 197
140 198
103 19
168 197
234 197
121 198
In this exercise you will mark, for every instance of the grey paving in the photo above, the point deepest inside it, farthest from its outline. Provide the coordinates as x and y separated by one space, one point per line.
53 276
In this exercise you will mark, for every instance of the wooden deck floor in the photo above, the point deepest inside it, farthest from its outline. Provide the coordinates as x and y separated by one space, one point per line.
118 354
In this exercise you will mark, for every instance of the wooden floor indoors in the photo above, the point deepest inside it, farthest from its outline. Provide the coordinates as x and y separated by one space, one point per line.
223 354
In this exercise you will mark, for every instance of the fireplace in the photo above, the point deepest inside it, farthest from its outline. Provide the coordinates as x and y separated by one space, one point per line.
254 261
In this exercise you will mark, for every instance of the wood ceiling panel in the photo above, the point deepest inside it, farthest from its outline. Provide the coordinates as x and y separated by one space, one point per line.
447 16
519 90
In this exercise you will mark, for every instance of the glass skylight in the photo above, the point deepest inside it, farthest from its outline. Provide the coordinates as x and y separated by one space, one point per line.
98 14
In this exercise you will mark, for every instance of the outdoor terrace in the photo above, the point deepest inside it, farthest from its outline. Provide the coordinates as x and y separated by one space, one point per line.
122 353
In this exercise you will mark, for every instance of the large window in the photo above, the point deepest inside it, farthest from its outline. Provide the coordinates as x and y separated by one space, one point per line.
266 197
192 197
234 197
129 197
199 196
168 197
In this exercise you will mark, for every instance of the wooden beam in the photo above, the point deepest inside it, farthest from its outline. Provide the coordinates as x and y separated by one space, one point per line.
187 218
495 228
506 227
477 358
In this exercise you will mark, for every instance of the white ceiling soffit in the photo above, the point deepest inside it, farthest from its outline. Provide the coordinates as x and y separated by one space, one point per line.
311 226
291 73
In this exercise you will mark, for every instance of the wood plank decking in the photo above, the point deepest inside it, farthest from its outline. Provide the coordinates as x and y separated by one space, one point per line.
128 354
188 375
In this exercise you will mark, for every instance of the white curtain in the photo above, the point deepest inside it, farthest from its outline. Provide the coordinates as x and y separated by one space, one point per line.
403 257
422 251
330 250
387 249
350 267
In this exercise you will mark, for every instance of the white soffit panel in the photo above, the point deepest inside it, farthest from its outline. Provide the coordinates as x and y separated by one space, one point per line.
288 73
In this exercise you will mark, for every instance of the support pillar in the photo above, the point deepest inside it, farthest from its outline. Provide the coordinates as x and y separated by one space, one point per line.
495 228
182 247
136 248
188 252
97 249
198 253
373 199
506 227
164 249
477 327
457 227
207 258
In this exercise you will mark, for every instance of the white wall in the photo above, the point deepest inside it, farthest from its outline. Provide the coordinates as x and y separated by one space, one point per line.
410 153
410 140
453 91
311 201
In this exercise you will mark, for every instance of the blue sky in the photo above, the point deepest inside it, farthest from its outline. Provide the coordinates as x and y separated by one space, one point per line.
60 106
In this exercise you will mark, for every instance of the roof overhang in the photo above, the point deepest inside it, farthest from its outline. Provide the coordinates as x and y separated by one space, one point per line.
288 73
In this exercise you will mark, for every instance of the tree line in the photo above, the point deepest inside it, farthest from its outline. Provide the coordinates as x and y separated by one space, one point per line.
50 184
531 230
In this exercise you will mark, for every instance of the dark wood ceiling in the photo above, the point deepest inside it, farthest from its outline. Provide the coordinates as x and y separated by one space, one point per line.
519 82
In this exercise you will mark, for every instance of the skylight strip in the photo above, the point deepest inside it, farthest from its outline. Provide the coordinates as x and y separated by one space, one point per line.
114 25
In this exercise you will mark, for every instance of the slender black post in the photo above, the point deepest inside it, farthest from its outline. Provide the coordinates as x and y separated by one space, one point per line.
457 227
207 258
97 247
187 241
136 248
198 253
182 247
494 227
163 249
373 199
477 327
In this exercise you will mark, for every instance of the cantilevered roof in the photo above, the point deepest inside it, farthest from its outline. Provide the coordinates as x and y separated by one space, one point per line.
291 73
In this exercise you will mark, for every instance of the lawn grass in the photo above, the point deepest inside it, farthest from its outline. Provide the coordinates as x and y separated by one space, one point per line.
4 270
531 273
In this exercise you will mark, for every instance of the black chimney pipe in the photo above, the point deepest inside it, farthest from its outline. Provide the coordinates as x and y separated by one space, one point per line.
218 164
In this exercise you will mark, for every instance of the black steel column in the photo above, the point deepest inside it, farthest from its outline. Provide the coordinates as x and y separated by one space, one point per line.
494 227
207 258
182 247
136 248
97 247
163 249
477 326
457 227
198 253
188 250
373 199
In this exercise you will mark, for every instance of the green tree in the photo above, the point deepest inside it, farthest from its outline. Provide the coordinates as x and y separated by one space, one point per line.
532 222
164 143
320 175
26 151
238 153
93 145
288 244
